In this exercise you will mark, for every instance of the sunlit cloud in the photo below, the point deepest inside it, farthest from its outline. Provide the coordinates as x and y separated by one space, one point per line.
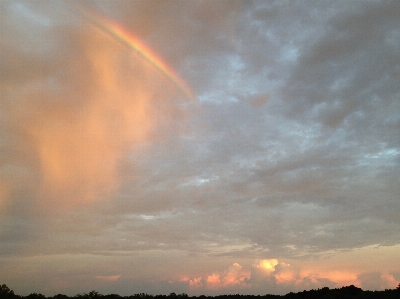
267 265
285 277
269 274
235 275
81 137
343 277
195 283
213 281
79 150
285 274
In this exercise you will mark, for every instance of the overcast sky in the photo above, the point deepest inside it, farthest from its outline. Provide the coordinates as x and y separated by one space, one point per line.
281 173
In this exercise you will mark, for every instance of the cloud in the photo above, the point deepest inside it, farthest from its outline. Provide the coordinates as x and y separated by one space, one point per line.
285 277
232 277
267 265
281 161
259 100
78 122
195 283
108 277
329 82
377 281
214 281
4 194
235 276
268 275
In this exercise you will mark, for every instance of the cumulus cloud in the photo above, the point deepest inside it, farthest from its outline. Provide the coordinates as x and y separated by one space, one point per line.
214 281
268 275
267 265
234 276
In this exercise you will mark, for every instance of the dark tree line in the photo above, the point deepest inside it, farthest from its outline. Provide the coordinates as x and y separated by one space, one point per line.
349 292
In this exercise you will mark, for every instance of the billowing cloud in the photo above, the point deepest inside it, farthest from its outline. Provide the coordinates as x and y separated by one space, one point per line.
234 276
270 274
267 265
195 283
213 281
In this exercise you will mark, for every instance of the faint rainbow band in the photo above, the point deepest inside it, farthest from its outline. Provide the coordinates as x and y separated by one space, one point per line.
126 38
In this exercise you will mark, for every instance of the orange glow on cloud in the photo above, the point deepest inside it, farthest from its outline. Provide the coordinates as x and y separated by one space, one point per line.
342 277
281 273
81 137
390 280
267 265
233 276
285 277
80 160
213 281
195 283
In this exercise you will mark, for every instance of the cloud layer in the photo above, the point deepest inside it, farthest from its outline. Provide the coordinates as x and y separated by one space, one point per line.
283 175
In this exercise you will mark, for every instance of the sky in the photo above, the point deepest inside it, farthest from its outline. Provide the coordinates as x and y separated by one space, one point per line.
199 147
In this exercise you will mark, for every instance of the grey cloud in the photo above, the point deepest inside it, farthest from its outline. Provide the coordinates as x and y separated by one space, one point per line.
372 281
292 149
348 67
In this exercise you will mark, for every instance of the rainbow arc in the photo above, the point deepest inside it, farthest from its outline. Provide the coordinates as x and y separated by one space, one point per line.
128 39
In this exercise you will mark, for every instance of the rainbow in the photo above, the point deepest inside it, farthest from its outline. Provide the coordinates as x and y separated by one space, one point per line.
126 38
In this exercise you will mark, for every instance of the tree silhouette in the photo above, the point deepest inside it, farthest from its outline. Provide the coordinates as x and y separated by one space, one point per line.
348 292
5 292
35 296
91 295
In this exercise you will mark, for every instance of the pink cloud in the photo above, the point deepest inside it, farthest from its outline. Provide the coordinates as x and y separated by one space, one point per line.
285 277
213 281
195 283
233 276
280 275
